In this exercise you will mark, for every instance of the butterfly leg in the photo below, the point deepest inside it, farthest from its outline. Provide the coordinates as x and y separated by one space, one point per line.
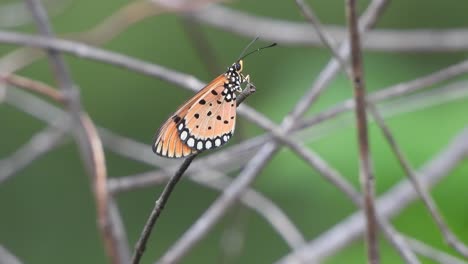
245 79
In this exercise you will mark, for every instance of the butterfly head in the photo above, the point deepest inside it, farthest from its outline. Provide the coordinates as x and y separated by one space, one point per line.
238 65
234 77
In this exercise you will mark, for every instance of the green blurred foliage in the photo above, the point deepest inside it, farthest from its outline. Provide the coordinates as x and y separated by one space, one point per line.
47 210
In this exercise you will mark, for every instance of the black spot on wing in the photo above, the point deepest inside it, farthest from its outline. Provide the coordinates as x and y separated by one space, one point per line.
176 118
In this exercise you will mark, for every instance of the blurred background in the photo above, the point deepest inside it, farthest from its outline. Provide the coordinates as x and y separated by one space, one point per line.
47 210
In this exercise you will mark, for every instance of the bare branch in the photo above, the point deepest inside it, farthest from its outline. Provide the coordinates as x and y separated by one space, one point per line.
366 174
388 205
33 85
297 33
89 52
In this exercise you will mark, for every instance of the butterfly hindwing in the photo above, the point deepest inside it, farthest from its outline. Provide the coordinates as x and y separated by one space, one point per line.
168 143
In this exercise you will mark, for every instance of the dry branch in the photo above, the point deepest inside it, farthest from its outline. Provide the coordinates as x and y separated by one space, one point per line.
295 33
366 174
388 205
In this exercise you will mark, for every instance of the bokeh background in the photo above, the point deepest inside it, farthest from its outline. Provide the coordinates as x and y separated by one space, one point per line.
47 211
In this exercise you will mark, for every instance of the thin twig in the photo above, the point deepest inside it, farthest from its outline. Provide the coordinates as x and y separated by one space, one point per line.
90 52
33 85
158 207
366 174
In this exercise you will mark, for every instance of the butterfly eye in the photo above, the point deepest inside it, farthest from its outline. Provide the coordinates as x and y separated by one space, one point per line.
238 66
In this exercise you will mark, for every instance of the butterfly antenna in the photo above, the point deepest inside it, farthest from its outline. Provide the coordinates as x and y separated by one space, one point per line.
259 49
247 47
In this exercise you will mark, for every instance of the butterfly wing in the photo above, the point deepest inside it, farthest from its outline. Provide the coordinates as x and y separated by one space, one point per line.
205 121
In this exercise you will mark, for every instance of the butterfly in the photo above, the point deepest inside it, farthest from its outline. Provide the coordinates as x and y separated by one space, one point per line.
208 119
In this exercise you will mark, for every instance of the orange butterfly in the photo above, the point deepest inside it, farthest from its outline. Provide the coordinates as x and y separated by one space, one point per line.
205 121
